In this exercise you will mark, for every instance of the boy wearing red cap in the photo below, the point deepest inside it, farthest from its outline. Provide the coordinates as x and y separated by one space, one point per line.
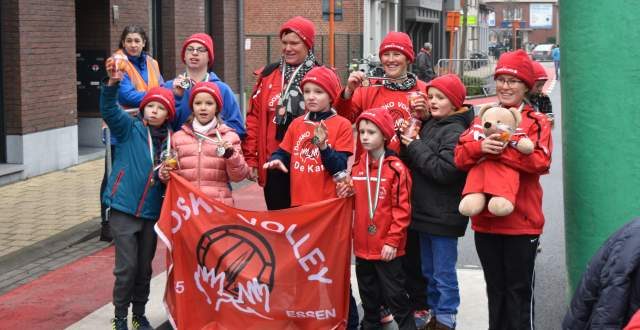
429 155
208 151
316 145
198 55
538 99
382 187
276 100
134 193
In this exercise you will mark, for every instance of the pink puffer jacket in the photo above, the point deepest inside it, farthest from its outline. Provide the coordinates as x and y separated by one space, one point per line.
199 164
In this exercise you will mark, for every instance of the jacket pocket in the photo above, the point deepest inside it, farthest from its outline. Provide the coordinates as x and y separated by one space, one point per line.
114 189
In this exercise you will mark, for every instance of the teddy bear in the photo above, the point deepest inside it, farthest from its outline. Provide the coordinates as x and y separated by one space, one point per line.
490 177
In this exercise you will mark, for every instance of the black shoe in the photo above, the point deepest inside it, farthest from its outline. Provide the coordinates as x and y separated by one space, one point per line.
140 322
105 232
119 323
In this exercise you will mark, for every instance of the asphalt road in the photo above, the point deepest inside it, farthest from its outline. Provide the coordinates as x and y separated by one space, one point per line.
551 295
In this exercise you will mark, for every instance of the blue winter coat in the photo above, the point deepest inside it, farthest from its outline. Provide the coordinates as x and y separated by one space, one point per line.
133 187
609 292
230 114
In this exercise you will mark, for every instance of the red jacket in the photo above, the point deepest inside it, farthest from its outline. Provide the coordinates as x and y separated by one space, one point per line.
393 213
261 141
365 98
527 217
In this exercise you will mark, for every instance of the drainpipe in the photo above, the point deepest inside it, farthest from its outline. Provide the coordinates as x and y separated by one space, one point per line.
241 57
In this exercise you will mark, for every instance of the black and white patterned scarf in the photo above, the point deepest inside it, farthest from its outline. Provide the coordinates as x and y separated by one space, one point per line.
405 85
308 64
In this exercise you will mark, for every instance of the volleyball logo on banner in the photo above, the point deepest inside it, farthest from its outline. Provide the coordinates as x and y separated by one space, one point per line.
236 269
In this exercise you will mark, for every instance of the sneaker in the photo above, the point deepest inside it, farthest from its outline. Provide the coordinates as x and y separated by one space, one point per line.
140 322
385 315
422 318
119 323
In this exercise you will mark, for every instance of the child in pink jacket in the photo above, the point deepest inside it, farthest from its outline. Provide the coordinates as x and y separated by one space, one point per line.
208 151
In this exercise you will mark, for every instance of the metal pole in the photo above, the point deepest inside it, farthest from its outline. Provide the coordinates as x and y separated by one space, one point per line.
331 32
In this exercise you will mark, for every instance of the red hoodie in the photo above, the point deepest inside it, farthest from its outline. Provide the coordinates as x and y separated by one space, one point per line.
527 217
393 213
365 98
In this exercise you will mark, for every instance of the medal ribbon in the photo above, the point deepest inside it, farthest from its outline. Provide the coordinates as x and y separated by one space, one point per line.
150 141
373 206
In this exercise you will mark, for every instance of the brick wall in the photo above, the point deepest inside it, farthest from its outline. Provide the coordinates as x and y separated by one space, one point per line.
45 84
131 12
188 18
265 18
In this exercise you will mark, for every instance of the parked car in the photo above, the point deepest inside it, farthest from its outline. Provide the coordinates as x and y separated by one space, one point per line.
542 52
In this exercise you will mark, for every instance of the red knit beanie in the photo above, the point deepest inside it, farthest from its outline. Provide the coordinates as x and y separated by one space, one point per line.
209 88
539 71
164 97
399 41
301 26
381 118
203 39
325 78
451 86
516 64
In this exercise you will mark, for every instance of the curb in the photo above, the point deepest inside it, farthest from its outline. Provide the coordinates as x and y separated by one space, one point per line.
74 235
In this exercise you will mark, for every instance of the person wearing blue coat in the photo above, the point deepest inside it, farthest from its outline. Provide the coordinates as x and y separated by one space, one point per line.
139 73
197 54
134 193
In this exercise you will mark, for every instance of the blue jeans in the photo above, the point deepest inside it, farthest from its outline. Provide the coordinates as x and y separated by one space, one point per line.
439 257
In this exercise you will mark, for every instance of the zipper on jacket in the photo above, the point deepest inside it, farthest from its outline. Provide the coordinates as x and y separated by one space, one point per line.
199 156
117 183
144 194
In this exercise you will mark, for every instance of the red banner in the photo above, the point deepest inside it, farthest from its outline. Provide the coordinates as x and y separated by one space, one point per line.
236 269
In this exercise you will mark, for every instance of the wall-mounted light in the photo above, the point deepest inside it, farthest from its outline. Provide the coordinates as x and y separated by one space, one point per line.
116 13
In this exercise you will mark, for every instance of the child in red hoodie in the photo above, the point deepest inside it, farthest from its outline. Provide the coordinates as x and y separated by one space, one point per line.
382 186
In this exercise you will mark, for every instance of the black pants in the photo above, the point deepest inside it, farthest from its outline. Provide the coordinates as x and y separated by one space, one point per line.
416 284
382 283
135 242
508 264
277 191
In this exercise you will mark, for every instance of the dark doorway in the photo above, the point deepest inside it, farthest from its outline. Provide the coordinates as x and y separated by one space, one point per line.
3 131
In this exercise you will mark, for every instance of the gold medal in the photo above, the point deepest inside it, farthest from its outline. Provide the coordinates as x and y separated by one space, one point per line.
372 229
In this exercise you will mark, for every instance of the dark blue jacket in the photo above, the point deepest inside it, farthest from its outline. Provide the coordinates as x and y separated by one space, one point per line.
133 187
230 114
609 292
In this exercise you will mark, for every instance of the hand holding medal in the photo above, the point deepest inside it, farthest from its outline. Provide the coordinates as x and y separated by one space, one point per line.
320 134
224 149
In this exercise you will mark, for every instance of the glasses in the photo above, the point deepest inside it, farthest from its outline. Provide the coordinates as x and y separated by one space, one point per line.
200 50
508 82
